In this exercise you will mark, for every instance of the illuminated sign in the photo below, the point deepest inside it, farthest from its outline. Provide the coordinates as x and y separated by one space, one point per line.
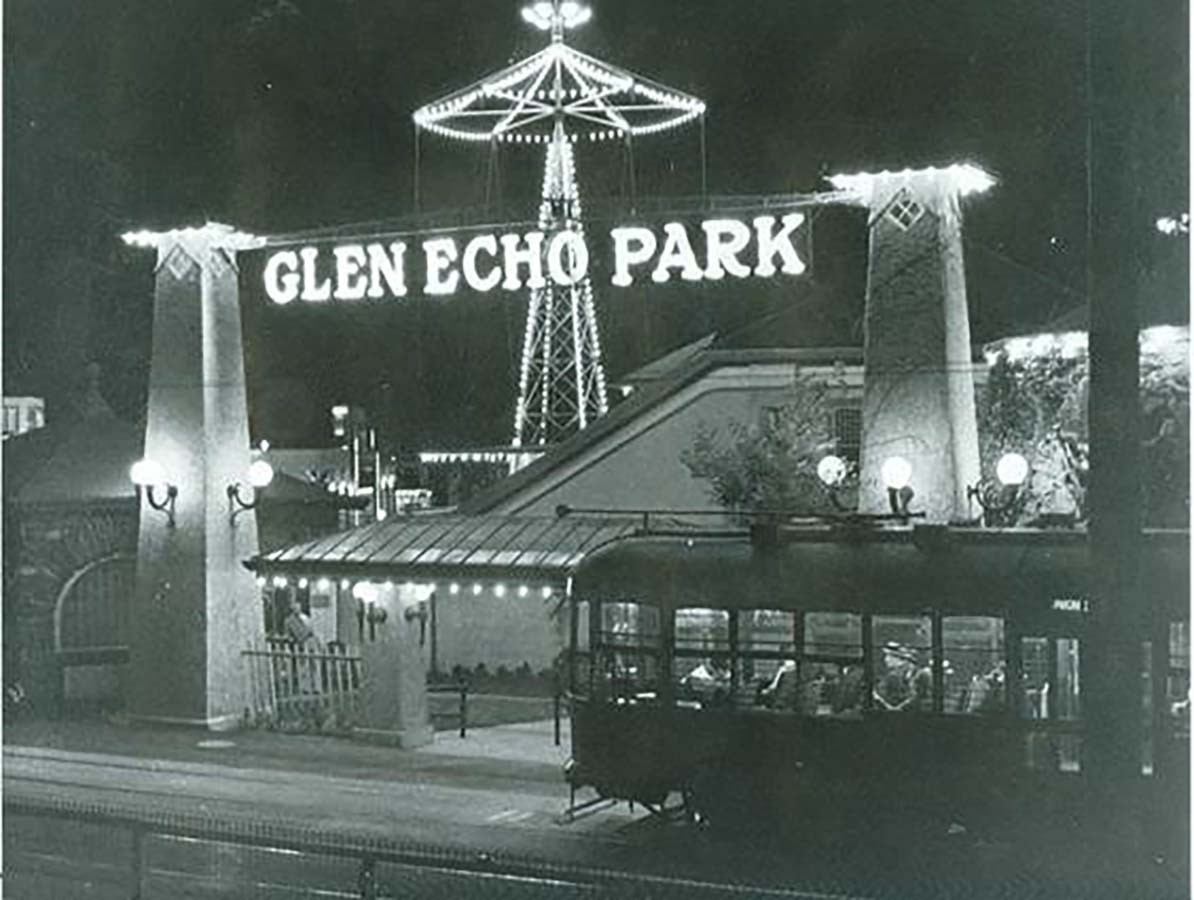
1071 604
712 250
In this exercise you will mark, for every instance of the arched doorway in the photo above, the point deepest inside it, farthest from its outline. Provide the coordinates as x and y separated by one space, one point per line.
91 629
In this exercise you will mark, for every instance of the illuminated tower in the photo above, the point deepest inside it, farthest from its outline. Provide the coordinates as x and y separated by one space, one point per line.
559 97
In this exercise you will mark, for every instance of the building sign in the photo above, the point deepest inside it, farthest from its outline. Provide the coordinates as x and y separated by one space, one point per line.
1070 604
712 249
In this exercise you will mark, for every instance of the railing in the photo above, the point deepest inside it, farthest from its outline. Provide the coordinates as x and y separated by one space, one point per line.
294 685
460 711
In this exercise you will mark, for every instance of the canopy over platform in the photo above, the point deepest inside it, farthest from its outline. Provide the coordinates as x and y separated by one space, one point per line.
425 546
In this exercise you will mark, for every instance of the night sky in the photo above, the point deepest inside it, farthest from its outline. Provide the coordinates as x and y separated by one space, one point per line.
283 115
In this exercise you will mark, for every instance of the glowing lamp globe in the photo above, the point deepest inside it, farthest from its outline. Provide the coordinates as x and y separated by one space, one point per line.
365 591
261 473
896 473
831 470
146 473
1012 469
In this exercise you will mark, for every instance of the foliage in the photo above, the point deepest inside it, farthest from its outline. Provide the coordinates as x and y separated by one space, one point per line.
771 465
1035 404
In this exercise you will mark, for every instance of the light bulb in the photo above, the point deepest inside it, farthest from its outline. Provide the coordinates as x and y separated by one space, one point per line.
1011 469
831 469
896 473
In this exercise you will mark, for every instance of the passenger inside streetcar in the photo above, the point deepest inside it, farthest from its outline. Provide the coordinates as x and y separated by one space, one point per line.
904 683
708 682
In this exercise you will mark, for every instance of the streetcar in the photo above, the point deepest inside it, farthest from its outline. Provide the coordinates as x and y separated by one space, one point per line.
803 672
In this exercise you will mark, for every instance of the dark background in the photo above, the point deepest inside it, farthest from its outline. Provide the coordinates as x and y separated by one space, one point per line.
283 115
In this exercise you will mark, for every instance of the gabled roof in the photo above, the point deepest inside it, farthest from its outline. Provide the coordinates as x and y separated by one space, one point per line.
431 544
668 364
83 461
641 400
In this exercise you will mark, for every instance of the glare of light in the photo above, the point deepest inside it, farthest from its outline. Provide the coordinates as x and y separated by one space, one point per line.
381 514
365 591
499 590
1164 338
896 473
453 589
323 585
523 590
263 446
831 469
1012 469
345 584
545 593
279 581
260 581
476 590
302 583
147 472
1172 225
961 178
261 473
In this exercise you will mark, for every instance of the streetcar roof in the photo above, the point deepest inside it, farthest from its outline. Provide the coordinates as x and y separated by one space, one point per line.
964 570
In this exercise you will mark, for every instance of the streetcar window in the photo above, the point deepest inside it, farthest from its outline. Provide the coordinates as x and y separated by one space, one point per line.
974 666
830 689
629 624
701 664
766 631
903 674
766 640
705 630
582 625
1034 677
833 634
1050 689
627 658
1068 687
1177 688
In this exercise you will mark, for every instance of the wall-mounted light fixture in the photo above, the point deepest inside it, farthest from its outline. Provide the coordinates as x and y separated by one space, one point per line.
261 474
1001 494
896 473
833 472
150 478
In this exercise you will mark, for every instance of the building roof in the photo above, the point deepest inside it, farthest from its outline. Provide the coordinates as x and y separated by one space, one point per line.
83 461
88 461
439 544
644 398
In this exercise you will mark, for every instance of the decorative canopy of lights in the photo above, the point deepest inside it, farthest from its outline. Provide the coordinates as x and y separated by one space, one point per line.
197 239
557 98
523 103
962 179
372 590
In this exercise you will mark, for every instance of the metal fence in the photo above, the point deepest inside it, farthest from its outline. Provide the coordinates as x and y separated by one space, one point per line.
303 686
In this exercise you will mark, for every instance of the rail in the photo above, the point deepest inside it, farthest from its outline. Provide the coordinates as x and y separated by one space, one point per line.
370 850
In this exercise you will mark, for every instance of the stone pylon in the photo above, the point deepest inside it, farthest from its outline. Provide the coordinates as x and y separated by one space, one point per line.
918 391
195 607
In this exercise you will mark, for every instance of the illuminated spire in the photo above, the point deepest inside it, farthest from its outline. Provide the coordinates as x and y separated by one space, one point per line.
558 97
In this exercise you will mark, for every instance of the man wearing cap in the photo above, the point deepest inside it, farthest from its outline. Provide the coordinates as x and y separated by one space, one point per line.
904 684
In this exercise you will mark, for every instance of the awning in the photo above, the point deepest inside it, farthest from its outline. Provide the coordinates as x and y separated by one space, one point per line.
430 545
